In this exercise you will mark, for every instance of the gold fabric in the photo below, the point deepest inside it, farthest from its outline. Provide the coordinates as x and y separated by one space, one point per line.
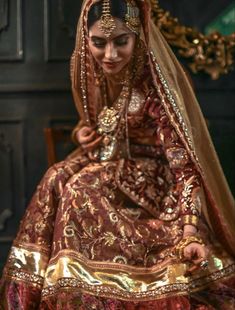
181 106
29 260
71 269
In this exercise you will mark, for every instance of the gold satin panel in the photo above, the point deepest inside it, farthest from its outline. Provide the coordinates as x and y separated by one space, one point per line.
33 262
71 270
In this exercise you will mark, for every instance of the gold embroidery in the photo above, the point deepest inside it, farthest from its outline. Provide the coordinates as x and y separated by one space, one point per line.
191 200
119 259
69 231
183 131
177 157
109 238
136 103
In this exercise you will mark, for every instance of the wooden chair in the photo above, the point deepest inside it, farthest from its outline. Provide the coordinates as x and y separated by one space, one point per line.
54 137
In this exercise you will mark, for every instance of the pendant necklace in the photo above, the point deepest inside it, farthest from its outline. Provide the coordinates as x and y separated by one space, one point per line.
112 123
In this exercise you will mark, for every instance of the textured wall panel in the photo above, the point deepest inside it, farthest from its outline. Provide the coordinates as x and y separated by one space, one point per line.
11 46
60 19
11 182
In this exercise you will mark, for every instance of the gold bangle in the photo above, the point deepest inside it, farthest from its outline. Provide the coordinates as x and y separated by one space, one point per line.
190 220
184 242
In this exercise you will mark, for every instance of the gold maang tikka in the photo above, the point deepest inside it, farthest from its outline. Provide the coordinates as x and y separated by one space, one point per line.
107 23
132 18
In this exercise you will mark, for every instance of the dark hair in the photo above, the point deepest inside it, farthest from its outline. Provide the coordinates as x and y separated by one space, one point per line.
118 9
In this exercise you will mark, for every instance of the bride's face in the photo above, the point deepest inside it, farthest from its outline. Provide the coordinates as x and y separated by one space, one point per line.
115 52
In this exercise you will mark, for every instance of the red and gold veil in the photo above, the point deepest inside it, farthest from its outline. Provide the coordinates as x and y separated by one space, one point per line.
181 106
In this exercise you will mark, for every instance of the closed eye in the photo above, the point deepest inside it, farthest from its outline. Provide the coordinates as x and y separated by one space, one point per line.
121 41
99 43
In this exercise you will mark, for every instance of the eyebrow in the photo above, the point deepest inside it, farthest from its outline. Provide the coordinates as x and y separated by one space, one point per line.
104 39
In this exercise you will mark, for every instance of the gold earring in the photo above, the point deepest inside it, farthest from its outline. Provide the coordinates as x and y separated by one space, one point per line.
97 73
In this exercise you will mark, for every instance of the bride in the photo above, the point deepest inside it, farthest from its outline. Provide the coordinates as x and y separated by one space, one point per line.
140 215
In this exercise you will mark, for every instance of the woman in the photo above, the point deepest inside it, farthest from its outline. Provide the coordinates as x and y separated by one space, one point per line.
137 217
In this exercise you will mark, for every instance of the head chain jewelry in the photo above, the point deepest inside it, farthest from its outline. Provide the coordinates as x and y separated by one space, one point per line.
107 22
132 17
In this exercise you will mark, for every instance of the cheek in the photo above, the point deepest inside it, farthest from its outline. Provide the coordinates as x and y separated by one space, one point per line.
128 51
97 54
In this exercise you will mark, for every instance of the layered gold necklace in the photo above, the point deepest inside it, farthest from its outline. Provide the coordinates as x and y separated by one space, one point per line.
112 124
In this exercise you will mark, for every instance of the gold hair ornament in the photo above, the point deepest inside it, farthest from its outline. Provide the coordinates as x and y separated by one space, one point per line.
107 23
132 18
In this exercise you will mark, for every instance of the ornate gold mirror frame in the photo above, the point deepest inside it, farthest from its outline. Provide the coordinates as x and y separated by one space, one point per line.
211 53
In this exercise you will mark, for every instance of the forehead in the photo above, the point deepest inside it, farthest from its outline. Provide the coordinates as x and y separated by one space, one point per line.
121 28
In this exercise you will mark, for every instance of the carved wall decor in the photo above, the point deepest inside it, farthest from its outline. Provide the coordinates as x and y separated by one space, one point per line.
3 14
212 54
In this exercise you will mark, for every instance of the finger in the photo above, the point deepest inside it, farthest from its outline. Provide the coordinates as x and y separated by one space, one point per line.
82 133
201 256
91 156
157 101
188 254
191 270
88 138
152 110
155 111
151 99
151 107
85 130
90 146
147 104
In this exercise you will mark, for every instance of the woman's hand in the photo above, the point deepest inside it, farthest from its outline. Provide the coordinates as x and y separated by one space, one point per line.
88 138
196 253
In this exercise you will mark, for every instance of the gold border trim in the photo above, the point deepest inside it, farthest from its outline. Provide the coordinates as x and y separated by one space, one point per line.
21 275
72 271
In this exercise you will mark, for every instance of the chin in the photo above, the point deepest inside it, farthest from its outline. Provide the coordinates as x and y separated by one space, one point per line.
113 71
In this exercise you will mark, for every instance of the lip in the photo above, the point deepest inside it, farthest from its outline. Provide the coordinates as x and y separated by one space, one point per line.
111 65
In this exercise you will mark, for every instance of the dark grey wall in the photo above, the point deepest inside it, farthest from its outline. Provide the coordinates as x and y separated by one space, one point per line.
36 40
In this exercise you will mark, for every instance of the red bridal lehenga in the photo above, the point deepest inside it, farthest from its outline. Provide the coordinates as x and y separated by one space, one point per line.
101 233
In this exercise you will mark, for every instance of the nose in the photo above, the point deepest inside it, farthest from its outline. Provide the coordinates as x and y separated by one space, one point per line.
110 51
